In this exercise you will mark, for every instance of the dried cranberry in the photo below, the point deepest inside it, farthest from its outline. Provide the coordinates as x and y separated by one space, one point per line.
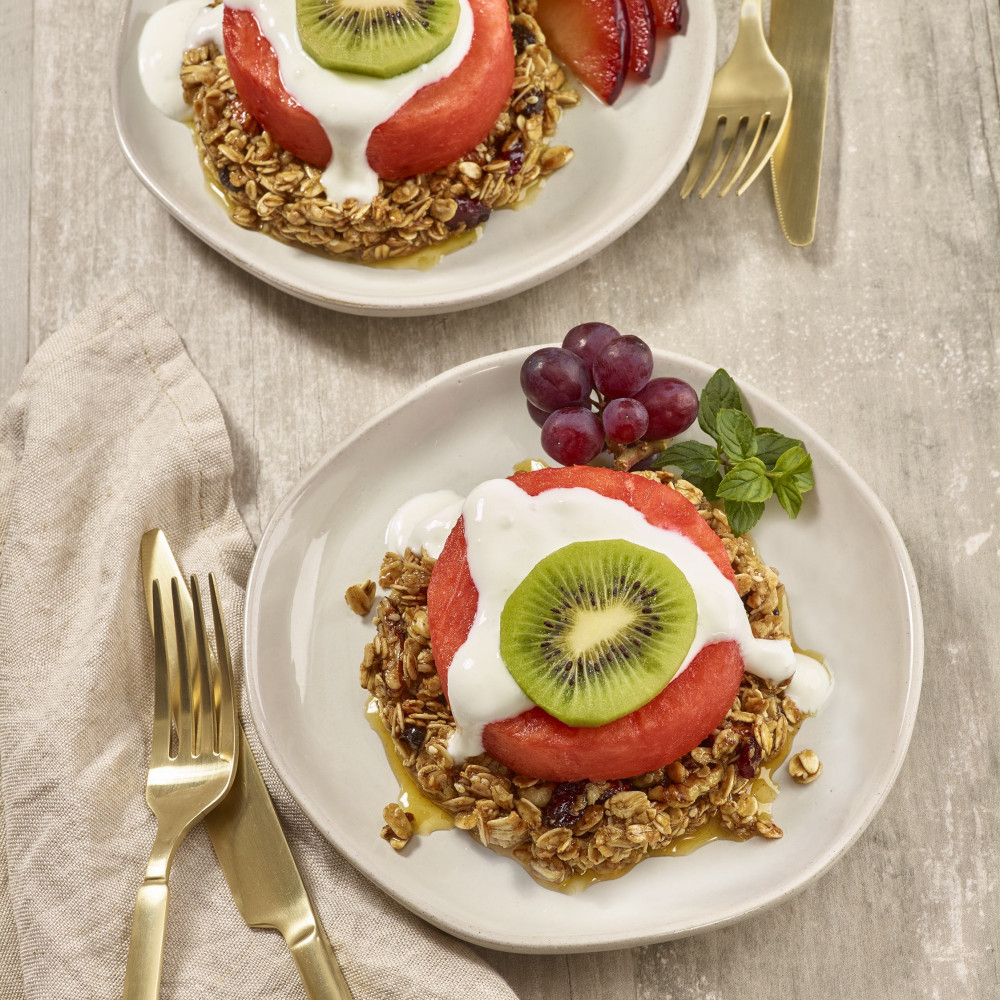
534 103
413 737
750 757
515 158
523 36
470 213
614 787
564 808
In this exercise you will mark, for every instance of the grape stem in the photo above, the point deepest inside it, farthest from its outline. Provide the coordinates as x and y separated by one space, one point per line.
627 455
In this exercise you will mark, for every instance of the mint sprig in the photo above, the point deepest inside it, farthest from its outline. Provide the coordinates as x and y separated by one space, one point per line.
747 465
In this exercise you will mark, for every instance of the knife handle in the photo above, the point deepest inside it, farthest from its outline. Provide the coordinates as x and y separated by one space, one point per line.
145 950
318 967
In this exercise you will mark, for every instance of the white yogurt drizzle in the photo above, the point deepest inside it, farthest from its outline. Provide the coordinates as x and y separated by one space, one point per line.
811 685
348 106
424 522
507 532
166 36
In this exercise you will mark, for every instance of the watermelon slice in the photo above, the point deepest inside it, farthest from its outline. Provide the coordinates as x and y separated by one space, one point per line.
675 721
439 124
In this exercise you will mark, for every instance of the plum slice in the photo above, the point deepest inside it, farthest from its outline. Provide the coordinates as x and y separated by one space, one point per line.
669 15
592 37
642 30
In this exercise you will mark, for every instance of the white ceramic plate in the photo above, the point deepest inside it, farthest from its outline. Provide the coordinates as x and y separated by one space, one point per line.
842 561
626 158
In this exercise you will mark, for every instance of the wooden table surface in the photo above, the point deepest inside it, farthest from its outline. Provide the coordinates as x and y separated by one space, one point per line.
882 336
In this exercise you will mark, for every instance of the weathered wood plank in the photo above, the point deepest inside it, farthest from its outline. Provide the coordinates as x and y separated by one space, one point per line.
15 169
16 33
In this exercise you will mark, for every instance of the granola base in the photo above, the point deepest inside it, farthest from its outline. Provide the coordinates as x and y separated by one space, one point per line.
599 828
269 189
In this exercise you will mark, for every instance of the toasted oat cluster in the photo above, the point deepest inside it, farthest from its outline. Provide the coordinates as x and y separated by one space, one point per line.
557 830
269 189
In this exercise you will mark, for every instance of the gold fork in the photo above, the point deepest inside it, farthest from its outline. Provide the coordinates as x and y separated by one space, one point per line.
749 102
192 763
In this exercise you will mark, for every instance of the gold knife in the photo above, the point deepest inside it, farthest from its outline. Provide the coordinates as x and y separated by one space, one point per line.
247 836
800 38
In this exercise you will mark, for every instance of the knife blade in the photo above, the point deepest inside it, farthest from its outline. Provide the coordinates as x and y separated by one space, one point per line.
251 847
801 39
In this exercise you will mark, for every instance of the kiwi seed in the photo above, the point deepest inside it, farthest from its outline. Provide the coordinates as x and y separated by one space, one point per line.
597 630
380 38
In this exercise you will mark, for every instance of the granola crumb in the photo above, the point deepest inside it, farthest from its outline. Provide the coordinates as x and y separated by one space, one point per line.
360 597
398 823
805 767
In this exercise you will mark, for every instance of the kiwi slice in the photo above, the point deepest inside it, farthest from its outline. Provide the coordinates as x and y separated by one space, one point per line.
597 629
380 38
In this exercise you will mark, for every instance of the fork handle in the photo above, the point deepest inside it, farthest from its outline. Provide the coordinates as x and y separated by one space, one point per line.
145 950
318 968
752 15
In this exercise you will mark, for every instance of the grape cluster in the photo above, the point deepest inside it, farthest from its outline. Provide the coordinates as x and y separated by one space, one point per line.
596 392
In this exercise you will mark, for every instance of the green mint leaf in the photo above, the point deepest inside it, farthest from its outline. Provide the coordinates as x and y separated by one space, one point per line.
792 476
764 461
735 433
698 462
771 445
720 393
742 516
803 481
796 461
693 458
789 497
746 482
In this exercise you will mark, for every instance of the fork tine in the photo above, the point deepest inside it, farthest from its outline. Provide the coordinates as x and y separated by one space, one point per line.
702 151
749 81
227 699
203 699
729 134
765 148
161 696
183 722
742 152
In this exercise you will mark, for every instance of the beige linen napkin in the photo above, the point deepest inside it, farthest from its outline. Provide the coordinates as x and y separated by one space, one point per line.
112 432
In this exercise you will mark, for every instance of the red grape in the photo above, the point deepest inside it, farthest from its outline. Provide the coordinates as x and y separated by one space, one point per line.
552 377
624 420
588 340
672 406
573 435
536 414
623 367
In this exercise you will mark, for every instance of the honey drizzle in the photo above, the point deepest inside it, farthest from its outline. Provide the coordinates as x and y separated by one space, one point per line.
427 815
